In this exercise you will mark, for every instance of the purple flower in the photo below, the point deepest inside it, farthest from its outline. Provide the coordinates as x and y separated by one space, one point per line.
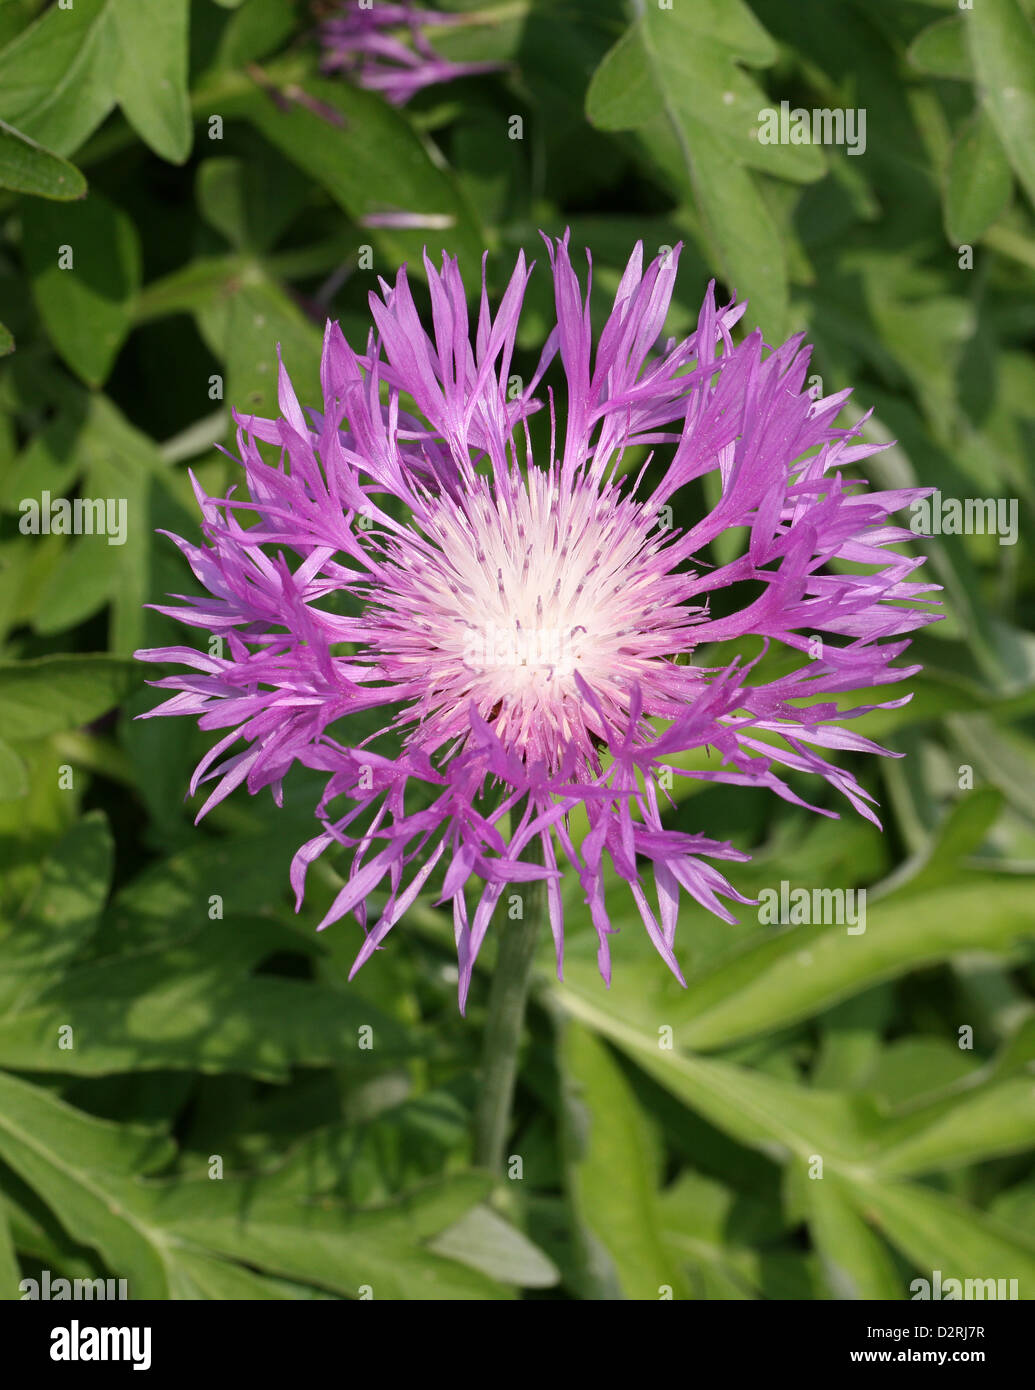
368 42
530 630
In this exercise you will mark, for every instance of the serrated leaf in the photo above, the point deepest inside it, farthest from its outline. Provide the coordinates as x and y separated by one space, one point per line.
381 1249
82 1168
698 112
171 1010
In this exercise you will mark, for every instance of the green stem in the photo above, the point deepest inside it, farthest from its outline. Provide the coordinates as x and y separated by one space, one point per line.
508 995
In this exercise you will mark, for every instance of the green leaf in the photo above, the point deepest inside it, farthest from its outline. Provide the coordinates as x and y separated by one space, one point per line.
916 1071
84 260
6 341
62 913
941 50
193 288
367 156
851 1040
762 1111
681 65
979 181
219 1280
16 15
187 1007
248 202
247 871
57 76
622 94
10 1272
960 833
997 1119
757 1109
934 1231
484 1241
612 1176
190 1002
855 1262
745 239
1003 755
713 1229
51 460
14 777
383 1249
258 28
801 970
26 167
260 316
51 693
80 583
152 77
1002 46
82 1167
122 462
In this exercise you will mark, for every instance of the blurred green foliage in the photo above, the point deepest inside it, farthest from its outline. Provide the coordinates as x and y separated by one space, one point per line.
186 1099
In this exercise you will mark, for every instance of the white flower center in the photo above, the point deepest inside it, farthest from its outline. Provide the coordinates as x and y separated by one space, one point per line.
514 594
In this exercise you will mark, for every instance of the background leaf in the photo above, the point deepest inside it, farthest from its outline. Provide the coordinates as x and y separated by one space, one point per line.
26 167
1002 46
151 85
85 265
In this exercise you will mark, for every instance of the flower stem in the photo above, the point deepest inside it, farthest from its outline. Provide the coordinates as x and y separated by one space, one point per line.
508 995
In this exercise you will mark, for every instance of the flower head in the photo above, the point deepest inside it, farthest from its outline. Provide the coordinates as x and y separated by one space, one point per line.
527 632
369 43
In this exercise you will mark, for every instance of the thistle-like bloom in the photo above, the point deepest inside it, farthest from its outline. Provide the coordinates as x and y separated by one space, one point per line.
370 45
528 630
